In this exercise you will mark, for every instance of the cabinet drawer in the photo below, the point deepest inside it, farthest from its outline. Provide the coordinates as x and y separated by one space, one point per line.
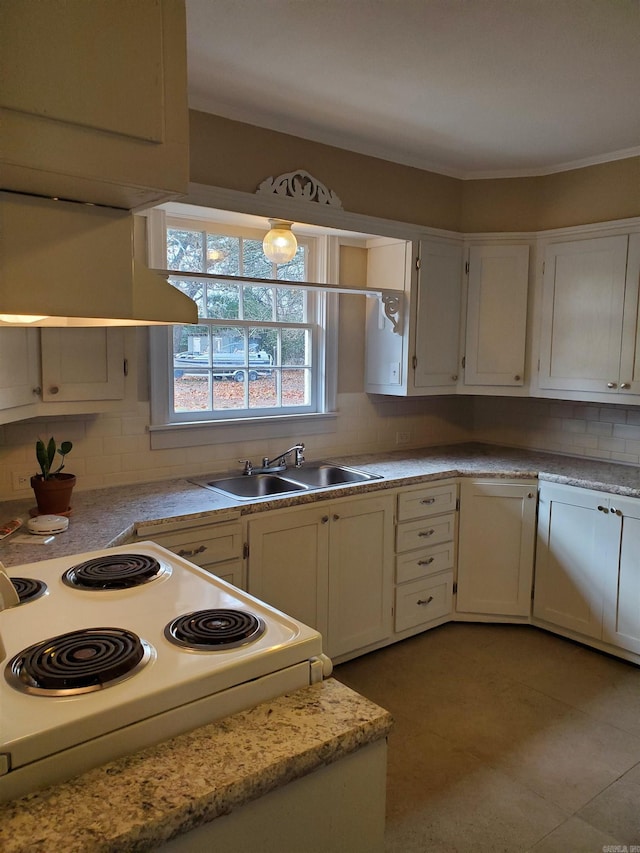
429 561
427 501
428 531
423 601
203 546
229 570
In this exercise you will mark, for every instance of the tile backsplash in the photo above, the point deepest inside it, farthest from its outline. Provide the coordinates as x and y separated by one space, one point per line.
581 429
112 449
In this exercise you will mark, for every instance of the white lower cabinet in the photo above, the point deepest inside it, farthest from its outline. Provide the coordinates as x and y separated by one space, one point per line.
425 556
496 547
329 566
587 570
216 547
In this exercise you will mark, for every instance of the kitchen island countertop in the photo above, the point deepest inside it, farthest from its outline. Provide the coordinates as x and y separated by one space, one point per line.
137 802
109 516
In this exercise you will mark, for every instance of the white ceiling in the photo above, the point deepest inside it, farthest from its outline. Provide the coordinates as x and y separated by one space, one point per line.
469 88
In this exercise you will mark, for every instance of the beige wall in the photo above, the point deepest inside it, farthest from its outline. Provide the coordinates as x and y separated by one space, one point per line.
239 156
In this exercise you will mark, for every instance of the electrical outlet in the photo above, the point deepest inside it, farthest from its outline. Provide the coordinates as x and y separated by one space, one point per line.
20 481
403 438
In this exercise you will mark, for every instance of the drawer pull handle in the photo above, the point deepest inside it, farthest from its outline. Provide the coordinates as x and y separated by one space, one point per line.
428 501
426 532
423 601
426 562
183 552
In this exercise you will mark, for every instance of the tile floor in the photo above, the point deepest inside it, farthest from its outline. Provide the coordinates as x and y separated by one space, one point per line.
506 738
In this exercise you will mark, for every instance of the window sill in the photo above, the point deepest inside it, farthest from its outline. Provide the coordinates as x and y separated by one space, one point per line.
194 434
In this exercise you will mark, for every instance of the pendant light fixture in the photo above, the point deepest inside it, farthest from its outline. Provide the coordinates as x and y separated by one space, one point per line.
280 244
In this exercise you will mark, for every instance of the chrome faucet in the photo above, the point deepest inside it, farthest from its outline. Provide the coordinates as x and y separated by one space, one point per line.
269 466
299 458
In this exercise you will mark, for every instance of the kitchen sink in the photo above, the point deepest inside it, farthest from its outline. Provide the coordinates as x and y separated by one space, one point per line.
253 486
322 474
318 475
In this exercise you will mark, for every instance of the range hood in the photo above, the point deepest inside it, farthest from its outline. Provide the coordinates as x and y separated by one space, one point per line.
68 264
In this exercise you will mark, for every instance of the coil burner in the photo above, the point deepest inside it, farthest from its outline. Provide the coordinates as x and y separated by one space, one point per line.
114 571
214 630
28 589
78 662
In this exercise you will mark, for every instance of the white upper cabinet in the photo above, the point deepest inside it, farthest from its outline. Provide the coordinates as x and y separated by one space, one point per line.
19 372
437 316
82 364
94 100
496 326
589 329
419 356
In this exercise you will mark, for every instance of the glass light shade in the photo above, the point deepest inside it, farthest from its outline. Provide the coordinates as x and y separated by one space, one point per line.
280 244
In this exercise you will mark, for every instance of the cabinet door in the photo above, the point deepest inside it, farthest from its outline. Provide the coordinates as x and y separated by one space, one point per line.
19 367
496 547
496 315
582 314
388 268
82 364
622 601
288 563
574 549
630 357
438 315
360 573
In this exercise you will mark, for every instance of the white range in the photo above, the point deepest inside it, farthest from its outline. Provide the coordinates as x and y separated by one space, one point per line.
111 651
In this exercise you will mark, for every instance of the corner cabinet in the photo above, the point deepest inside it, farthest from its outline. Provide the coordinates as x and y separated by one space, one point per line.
587 572
590 319
496 319
94 105
496 548
330 566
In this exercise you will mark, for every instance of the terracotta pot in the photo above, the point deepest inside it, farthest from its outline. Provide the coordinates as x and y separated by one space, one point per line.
53 496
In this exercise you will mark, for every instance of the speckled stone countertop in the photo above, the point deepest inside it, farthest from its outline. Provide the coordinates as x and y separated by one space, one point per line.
138 802
106 517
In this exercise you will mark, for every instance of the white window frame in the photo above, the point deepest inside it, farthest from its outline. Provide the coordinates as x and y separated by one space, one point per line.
246 423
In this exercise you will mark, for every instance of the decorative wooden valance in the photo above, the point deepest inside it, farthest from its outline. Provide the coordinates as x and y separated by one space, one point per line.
299 185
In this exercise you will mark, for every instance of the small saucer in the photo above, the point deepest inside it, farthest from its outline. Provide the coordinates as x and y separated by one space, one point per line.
35 511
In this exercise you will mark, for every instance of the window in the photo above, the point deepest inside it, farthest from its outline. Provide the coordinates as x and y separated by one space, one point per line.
259 349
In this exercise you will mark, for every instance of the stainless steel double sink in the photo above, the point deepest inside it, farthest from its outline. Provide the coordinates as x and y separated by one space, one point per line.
318 475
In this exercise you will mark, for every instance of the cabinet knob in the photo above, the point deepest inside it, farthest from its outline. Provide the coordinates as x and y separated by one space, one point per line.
517 377
335 516
54 389
616 511
602 508
324 519
625 385
423 601
530 494
427 532
36 390
612 384
454 377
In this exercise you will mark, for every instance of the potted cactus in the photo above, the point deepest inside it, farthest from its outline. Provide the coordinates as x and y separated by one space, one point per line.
51 487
